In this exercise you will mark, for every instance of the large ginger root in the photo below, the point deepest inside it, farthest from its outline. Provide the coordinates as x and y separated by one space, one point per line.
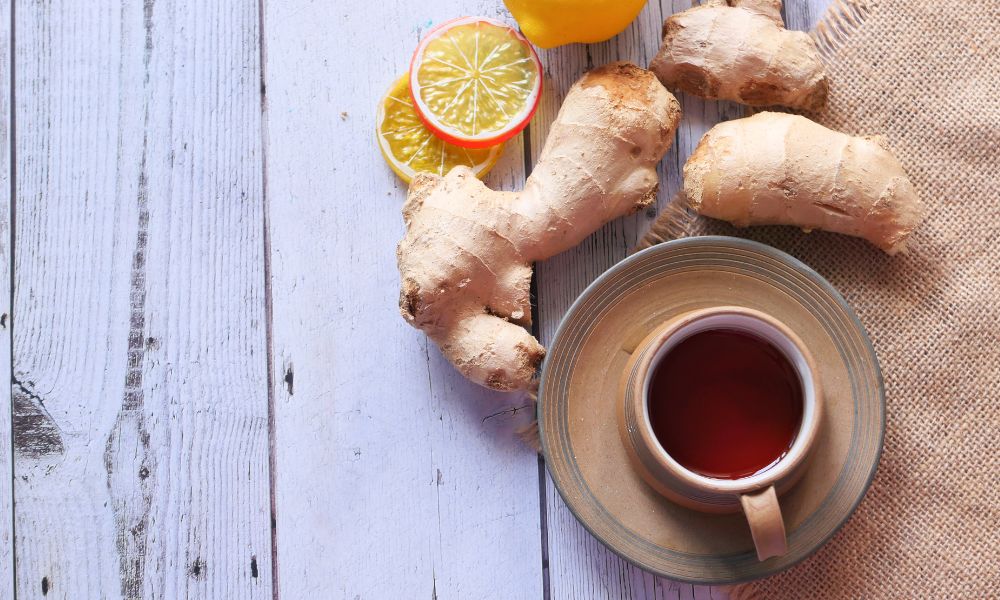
776 168
465 262
740 51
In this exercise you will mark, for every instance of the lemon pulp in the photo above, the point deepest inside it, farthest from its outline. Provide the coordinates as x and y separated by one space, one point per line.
410 148
476 79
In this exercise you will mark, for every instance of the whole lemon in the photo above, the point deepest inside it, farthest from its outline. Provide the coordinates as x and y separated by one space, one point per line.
550 23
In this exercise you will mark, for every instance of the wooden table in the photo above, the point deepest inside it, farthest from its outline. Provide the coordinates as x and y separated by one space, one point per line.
213 395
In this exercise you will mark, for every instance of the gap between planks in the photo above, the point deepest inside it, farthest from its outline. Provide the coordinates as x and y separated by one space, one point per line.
8 128
272 460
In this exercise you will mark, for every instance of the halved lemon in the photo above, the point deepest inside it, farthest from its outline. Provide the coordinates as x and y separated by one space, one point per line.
410 148
475 81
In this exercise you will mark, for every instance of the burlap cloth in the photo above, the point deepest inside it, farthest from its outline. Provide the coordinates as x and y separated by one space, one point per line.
927 76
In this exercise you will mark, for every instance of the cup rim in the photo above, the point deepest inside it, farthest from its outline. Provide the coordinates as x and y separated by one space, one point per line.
804 365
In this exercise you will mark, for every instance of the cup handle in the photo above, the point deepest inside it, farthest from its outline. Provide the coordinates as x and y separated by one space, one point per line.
766 524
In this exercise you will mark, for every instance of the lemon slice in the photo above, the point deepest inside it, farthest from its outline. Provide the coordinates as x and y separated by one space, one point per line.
475 81
410 148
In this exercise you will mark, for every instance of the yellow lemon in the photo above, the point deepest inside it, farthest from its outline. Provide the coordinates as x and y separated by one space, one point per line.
550 23
410 148
476 81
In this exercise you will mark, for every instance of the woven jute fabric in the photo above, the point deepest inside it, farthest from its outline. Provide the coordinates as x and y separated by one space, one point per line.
926 75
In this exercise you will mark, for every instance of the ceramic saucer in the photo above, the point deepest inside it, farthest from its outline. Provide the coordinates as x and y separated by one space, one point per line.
579 394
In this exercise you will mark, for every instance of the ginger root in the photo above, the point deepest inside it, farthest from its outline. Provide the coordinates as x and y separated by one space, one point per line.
776 168
465 262
740 51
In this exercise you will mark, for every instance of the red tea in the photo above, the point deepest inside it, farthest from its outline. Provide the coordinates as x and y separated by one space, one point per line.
725 404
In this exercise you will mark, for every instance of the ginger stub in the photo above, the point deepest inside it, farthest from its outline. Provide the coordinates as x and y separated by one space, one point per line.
740 51
777 168
465 261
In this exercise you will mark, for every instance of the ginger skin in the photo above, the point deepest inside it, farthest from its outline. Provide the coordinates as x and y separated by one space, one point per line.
776 168
465 262
740 51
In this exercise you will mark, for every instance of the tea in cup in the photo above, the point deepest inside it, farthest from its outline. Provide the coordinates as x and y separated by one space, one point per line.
719 410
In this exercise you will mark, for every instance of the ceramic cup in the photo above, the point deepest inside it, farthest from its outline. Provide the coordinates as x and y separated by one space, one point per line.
756 494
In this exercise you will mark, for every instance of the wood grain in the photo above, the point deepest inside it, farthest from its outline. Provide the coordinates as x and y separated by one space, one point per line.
393 476
140 409
6 455
804 14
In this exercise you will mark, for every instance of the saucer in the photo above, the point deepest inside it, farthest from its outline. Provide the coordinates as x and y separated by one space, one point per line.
578 396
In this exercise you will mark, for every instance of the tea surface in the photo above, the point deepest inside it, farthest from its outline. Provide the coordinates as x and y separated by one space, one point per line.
725 404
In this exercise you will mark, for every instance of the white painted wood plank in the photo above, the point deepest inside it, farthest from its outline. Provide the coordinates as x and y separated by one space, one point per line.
804 14
140 387
6 457
391 480
579 565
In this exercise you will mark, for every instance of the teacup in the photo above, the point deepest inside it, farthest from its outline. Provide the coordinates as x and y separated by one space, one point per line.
757 492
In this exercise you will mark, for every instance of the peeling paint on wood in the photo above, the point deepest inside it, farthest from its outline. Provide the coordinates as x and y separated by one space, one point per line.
127 454
127 457
35 432
290 380
197 570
